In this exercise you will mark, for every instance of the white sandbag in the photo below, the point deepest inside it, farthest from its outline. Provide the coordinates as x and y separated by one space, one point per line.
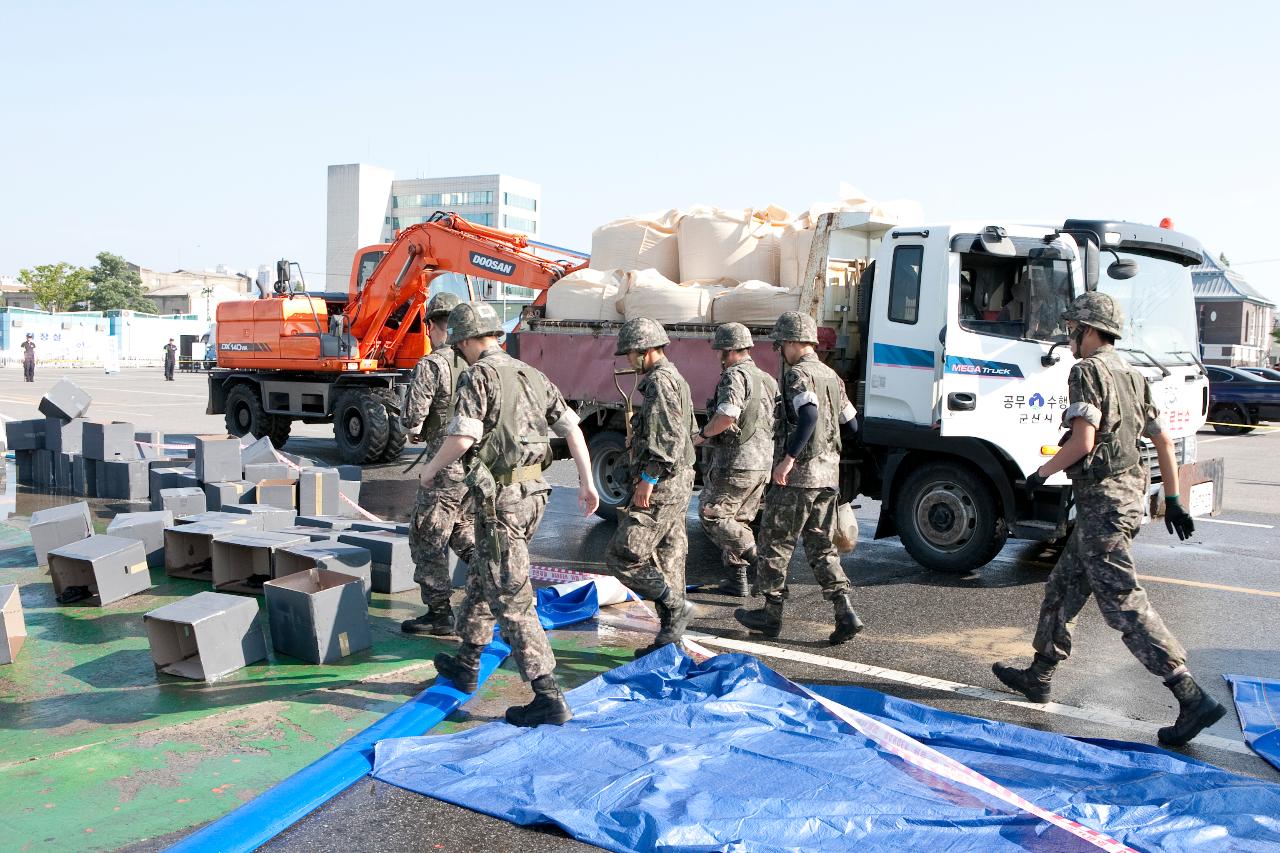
752 303
638 242
645 278
739 244
609 590
586 295
650 295
793 255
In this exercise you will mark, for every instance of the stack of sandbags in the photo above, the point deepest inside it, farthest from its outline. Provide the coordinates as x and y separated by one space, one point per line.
587 294
752 303
649 294
638 242
742 245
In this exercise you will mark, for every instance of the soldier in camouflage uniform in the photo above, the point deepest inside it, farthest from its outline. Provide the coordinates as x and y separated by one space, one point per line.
443 513
802 500
740 434
503 409
649 548
1110 408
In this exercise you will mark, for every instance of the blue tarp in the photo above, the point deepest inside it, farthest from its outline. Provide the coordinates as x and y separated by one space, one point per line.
577 605
668 753
1258 704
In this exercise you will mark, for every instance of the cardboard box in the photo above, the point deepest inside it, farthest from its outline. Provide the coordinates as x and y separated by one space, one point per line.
180 502
317 615
330 556
112 440
65 400
150 445
13 628
313 534
25 435
206 636
64 436
125 480
318 491
160 478
349 498
145 527
218 494
244 561
227 519
399 528
42 469
273 517
109 567
188 548
84 477
330 522
24 461
255 472
61 525
257 450
62 476
392 566
217 458
281 493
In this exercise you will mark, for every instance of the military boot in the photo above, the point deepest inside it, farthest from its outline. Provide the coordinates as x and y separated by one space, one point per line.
1032 682
437 621
847 622
548 705
767 620
1197 711
463 670
735 585
671 622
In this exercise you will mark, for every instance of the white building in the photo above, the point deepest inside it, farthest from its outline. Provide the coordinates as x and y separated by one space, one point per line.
366 205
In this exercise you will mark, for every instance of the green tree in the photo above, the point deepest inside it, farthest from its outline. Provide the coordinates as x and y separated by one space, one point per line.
117 286
1222 259
56 287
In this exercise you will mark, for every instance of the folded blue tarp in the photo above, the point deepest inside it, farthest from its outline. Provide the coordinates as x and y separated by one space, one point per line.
577 605
668 753
1258 704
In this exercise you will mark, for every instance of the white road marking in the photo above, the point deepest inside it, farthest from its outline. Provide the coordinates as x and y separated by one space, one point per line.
1236 523
1101 716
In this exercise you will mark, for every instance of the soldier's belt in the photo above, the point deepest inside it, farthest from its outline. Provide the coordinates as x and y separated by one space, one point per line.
520 475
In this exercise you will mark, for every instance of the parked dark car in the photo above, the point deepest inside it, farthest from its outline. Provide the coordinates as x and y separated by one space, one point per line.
1238 400
1264 372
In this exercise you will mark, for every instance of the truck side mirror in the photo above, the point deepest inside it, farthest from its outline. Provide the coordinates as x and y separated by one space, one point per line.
995 241
1122 268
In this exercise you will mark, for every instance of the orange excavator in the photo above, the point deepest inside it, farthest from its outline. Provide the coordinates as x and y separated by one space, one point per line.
345 358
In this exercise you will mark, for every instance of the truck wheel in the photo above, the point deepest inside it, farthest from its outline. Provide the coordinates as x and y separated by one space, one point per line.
245 415
279 432
397 437
608 450
948 518
360 426
1230 421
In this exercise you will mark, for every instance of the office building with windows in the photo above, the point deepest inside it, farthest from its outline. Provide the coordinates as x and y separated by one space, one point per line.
367 205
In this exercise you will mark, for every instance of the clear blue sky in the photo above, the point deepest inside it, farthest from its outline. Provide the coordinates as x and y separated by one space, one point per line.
183 134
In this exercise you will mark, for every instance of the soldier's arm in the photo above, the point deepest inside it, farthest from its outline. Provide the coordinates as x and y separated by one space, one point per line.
1083 417
422 390
467 427
731 398
564 423
665 430
1153 429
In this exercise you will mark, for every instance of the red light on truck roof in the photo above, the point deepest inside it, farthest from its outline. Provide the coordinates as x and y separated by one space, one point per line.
1166 223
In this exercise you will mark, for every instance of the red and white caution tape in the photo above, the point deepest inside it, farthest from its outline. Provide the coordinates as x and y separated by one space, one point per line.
370 516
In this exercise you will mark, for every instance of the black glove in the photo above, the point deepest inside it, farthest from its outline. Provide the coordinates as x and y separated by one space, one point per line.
1178 520
1034 481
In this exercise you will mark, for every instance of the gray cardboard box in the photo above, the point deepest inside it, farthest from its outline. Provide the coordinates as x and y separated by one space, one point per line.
392 566
349 498
62 478
331 522
257 450
150 445
110 567
218 458
257 471
188 549
180 502
112 440
273 517
145 527
64 436
281 493
125 480
227 519
331 556
65 400
206 636
350 473
43 469
25 435
24 460
61 525
13 628
318 491
217 494
314 534
242 562
317 615
162 477
399 528
84 477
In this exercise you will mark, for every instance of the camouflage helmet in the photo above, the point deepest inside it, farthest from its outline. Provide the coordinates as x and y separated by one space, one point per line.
794 326
641 334
472 320
1098 310
441 304
732 336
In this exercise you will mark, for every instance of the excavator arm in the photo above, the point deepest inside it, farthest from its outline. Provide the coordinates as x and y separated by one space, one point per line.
382 313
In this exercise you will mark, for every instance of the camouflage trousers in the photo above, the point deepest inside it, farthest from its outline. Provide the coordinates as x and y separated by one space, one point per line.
728 504
1097 561
649 549
792 513
498 585
443 518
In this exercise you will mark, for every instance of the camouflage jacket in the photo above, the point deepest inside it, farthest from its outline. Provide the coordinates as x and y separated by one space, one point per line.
662 427
734 398
810 381
429 404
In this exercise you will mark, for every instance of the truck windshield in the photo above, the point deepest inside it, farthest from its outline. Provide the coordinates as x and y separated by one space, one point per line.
1016 297
1159 308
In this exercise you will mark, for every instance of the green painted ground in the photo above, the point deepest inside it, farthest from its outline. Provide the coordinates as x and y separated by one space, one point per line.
100 751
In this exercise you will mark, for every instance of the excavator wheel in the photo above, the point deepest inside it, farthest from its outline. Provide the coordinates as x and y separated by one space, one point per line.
245 415
279 431
397 437
361 426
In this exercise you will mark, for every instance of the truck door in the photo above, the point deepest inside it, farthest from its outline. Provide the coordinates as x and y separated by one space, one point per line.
904 357
1004 302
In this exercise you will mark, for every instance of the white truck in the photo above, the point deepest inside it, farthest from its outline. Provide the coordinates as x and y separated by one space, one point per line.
949 341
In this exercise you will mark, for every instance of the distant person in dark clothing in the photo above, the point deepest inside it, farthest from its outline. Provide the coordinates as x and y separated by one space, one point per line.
29 358
170 360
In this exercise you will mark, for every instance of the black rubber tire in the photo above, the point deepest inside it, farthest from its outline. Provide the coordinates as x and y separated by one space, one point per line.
1230 415
360 426
279 433
397 438
965 525
245 415
608 449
